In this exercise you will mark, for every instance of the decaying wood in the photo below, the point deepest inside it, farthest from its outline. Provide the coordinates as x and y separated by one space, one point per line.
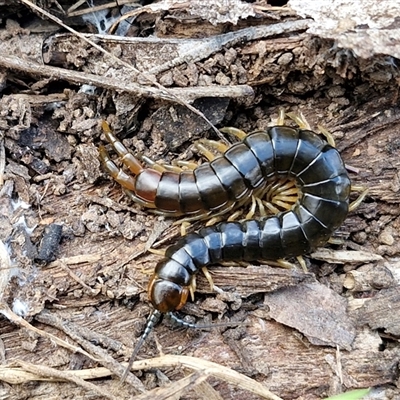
70 324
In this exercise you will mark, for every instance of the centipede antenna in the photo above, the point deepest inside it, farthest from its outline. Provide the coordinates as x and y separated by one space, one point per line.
152 321
180 322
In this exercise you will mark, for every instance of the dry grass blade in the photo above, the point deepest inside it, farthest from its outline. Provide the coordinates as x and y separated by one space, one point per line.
61 375
174 390
218 371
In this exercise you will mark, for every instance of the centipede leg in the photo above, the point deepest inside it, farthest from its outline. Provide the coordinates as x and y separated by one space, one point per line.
124 154
302 262
232 217
300 120
204 151
213 221
336 241
172 168
219 147
356 203
234 132
280 263
205 215
184 226
209 278
187 165
280 195
329 138
281 117
252 210
192 287
218 216
271 207
119 175
158 252
152 164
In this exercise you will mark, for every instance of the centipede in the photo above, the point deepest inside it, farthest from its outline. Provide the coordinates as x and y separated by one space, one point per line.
324 188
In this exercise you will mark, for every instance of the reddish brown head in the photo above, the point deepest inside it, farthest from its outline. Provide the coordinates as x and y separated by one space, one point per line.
166 296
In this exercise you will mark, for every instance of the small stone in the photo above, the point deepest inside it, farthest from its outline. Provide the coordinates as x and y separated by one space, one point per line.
386 238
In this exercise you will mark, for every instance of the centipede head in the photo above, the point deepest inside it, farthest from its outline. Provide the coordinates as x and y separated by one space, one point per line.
167 296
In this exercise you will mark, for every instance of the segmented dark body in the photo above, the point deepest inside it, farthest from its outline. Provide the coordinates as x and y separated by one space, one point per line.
324 187
229 180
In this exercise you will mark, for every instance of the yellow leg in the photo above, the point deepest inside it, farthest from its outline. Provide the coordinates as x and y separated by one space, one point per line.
280 263
281 117
213 221
356 203
261 207
158 252
160 167
210 281
336 241
300 120
184 226
198 217
302 123
120 176
187 164
208 277
281 194
124 154
152 164
234 216
302 263
234 132
271 207
252 210
192 287
329 138
204 151
289 187
256 202
172 168
213 144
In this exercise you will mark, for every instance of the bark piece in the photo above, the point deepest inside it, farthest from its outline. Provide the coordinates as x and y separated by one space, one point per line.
316 311
382 311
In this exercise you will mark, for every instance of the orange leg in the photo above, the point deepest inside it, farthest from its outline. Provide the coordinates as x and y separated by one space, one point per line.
124 154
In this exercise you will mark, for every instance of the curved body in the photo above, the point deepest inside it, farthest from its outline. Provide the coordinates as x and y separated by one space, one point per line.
323 203
226 182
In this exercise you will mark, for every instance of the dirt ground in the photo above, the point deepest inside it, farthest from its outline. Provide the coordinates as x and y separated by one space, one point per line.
74 250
